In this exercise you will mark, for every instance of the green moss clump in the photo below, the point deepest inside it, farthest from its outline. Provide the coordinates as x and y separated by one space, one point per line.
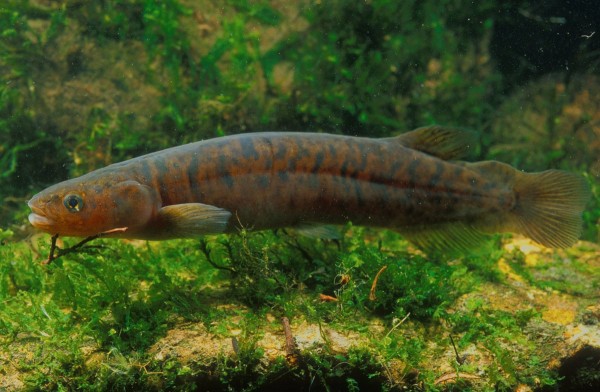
159 315
378 67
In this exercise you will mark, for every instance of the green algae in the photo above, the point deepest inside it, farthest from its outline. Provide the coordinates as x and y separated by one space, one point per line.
159 315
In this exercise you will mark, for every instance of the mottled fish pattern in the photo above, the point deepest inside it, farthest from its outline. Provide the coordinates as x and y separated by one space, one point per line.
271 180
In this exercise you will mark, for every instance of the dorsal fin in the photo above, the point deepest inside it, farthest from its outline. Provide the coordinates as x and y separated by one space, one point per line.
442 142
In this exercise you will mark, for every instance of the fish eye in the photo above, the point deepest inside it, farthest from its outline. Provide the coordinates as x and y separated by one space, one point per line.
74 203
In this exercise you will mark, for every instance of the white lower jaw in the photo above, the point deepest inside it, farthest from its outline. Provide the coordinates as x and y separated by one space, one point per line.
41 222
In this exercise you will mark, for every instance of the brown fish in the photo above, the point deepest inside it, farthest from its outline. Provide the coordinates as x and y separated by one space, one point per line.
272 180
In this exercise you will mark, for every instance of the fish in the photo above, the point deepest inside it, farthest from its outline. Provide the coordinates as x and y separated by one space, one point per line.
414 183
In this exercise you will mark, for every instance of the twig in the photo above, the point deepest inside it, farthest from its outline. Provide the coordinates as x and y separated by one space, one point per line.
449 377
291 350
459 360
56 252
52 250
327 298
204 249
397 324
235 344
372 296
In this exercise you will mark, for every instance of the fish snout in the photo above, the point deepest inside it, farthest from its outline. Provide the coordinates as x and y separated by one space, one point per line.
38 216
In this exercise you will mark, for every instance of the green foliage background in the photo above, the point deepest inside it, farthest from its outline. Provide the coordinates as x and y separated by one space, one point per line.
348 67
84 84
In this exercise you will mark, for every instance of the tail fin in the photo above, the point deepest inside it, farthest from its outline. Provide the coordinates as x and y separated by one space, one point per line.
549 206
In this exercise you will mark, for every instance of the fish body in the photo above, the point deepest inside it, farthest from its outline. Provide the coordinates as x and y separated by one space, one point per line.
273 180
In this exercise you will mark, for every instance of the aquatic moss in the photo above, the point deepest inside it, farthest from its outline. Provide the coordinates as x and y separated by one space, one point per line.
159 315
385 66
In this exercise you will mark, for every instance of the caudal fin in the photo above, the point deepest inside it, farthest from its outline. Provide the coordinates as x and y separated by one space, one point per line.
548 207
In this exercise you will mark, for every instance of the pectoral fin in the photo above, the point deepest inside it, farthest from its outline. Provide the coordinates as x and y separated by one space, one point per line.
193 220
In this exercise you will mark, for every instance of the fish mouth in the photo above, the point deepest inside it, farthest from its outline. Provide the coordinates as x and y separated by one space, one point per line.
37 217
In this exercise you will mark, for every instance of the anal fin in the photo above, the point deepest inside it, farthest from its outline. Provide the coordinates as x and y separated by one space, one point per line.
319 231
445 239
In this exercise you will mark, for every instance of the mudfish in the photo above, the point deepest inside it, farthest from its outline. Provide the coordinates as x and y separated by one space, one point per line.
412 183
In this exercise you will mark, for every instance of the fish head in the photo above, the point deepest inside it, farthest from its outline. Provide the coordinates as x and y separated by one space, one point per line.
85 206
